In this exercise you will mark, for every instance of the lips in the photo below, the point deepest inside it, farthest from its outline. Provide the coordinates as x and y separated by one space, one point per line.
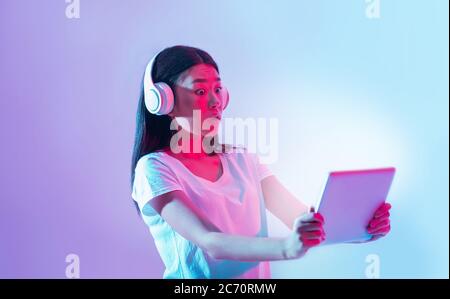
216 115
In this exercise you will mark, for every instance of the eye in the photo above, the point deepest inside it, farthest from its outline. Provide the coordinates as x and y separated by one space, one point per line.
200 92
218 89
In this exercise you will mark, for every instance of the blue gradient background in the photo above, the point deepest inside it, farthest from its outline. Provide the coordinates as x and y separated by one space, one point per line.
349 92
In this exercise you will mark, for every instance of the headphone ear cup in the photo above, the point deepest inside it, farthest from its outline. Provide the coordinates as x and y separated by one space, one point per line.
166 98
152 100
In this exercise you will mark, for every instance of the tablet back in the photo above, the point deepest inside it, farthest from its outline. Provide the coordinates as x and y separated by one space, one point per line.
350 199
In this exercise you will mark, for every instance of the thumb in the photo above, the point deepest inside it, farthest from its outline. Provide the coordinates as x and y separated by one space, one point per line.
297 223
298 220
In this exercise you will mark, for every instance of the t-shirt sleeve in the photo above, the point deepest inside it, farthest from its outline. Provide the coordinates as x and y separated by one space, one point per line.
152 178
262 170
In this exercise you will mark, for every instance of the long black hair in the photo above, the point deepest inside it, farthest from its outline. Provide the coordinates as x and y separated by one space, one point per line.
153 131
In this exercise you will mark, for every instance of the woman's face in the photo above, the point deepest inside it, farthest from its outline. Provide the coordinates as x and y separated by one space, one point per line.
199 88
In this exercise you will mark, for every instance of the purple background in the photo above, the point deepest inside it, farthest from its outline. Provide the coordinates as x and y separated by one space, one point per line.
69 91
67 129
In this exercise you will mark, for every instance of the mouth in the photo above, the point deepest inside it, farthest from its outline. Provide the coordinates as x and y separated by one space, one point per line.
216 115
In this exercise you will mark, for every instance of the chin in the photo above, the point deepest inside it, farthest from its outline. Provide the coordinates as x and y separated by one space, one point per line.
211 133
211 122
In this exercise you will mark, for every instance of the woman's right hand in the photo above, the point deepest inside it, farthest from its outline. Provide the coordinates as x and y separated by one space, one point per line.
307 232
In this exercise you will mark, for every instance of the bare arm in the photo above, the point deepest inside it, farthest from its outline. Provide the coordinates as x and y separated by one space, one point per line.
172 208
226 246
280 202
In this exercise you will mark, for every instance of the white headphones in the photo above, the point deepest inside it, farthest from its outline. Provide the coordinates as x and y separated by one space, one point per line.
159 97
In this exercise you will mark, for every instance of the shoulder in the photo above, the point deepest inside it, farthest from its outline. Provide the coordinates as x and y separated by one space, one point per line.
155 161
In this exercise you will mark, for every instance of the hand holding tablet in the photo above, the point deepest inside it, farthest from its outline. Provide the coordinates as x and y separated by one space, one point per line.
307 233
380 224
353 205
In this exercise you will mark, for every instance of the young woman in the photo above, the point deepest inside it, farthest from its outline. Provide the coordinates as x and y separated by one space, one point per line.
206 209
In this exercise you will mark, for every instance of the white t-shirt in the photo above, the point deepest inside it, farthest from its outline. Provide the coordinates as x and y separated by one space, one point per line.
234 204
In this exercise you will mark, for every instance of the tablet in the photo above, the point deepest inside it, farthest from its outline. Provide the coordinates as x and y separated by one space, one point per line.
349 201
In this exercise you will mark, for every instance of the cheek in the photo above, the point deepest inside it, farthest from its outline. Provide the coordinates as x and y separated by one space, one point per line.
187 104
200 104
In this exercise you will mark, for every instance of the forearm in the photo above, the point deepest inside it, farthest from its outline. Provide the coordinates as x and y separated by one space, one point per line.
242 248
281 202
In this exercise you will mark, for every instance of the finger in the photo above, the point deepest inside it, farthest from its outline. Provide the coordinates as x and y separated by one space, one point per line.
313 217
306 240
380 230
379 224
313 234
315 231
307 217
385 214
297 222
371 230
378 221
303 224
310 227
319 217
311 242
383 208
381 214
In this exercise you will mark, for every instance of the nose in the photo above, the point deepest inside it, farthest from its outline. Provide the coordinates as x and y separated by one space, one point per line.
215 100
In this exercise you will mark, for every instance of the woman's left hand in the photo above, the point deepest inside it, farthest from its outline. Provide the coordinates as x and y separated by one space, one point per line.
380 224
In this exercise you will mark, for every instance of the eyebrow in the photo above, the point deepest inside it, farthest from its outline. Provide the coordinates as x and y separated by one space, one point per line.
204 80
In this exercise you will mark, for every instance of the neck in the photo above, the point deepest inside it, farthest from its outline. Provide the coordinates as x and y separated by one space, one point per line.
193 146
